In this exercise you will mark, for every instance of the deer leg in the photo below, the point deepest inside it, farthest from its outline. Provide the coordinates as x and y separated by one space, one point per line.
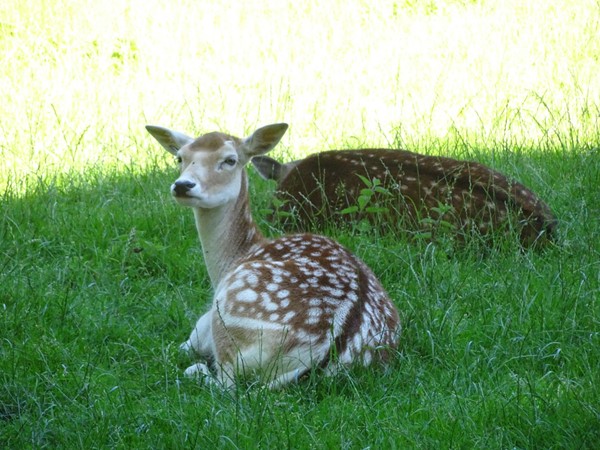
199 370
286 378
200 341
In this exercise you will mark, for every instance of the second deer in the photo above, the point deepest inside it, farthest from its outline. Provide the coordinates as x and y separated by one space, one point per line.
408 190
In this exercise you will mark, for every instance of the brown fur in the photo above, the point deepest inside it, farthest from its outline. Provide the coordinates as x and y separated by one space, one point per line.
467 195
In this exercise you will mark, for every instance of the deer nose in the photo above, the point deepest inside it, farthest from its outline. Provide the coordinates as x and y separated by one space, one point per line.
180 188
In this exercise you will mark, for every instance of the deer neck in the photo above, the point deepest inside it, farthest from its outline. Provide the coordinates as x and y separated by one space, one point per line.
226 233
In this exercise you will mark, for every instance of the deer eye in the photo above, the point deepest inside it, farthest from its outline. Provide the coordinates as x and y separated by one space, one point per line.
178 159
229 161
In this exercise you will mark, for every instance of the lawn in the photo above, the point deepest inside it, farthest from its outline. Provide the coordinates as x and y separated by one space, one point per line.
101 273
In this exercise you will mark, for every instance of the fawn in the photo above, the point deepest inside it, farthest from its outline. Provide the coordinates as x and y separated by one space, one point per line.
281 307
417 190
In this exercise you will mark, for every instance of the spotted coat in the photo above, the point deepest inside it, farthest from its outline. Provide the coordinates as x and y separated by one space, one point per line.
317 294
425 191
281 307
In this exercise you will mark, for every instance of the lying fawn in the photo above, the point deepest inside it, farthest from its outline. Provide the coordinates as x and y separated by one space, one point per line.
281 307
421 191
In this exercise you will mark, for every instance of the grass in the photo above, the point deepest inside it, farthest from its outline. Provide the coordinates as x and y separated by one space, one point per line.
101 274
497 351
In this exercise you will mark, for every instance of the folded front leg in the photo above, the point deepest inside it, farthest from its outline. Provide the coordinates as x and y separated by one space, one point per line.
201 340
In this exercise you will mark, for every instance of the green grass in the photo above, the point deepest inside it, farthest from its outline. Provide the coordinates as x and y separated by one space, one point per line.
101 274
497 351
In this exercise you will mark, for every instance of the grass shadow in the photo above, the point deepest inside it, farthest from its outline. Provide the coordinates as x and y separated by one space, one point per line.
102 277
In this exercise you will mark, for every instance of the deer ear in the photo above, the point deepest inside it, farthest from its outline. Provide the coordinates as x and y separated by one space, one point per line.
270 169
267 167
171 140
264 139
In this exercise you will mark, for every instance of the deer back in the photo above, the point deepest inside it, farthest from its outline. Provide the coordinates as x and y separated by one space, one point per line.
416 192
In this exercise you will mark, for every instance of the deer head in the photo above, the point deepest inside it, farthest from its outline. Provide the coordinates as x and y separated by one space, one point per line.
211 166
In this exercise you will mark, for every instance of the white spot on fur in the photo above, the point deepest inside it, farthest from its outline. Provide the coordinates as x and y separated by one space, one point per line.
336 292
247 295
236 284
288 316
313 320
314 302
267 303
252 279
314 312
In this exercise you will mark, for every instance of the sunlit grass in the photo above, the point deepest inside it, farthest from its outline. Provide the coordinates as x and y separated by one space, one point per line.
80 77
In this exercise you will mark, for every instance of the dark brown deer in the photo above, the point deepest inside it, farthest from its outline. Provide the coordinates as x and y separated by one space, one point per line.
406 190
282 306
